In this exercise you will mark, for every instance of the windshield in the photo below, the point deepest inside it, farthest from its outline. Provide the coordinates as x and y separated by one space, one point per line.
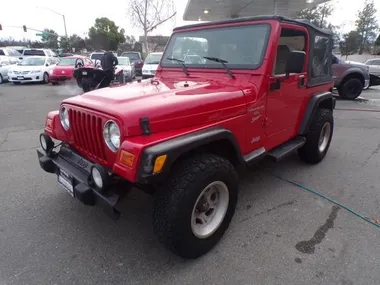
97 56
242 47
33 61
153 59
123 60
132 55
67 62
34 52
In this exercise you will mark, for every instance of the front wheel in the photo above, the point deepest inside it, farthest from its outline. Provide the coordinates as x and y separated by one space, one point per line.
351 89
1 79
318 138
195 207
45 78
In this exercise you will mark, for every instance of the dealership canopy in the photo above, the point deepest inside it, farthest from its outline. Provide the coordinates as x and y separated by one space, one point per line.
212 10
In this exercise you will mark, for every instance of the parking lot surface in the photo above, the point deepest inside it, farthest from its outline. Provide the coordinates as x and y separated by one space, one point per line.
280 234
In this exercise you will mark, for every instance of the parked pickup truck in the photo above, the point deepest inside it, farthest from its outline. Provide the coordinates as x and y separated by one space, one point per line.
264 90
350 78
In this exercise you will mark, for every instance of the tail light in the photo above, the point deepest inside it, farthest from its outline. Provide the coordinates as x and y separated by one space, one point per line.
139 64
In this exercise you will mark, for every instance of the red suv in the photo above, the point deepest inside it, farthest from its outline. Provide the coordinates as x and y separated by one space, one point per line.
258 87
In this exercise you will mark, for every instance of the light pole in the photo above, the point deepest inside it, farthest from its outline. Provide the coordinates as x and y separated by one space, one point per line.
63 16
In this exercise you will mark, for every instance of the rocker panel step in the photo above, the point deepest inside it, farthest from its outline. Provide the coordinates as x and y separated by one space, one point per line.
286 148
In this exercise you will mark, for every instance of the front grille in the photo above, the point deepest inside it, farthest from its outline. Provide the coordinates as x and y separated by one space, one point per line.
87 132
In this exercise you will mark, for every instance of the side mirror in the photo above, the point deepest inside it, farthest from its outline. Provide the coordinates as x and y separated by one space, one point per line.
295 62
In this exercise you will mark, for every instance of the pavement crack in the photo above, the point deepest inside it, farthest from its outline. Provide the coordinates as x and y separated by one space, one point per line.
19 149
267 211
375 151
309 245
4 140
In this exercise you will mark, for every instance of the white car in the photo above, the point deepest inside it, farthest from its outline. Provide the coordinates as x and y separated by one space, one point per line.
38 52
374 66
5 65
151 63
128 68
32 69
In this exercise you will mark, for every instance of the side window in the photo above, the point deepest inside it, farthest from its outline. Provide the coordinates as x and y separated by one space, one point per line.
335 60
319 63
290 40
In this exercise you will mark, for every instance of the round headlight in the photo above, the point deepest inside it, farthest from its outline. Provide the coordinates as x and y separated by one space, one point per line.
64 116
46 142
111 133
97 177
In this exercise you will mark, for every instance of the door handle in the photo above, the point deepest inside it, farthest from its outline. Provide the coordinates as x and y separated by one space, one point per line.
301 81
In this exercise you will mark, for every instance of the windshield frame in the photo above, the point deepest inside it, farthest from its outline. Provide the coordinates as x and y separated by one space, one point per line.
183 33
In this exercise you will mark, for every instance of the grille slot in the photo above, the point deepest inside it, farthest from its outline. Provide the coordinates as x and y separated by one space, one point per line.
87 133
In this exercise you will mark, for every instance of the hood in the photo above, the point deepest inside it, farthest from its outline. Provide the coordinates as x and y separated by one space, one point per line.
27 67
150 66
63 70
356 63
168 105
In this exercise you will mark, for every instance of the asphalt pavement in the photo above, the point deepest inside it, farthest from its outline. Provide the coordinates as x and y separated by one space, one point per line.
280 234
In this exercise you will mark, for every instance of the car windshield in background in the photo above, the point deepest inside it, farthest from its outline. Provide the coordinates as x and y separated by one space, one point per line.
123 60
96 56
242 47
131 55
67 62
34 52
33 61
153 59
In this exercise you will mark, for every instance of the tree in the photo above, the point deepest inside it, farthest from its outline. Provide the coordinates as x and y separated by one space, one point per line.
317 15
377 42
74 41
50 40
105 34
149 14
366 24
351 43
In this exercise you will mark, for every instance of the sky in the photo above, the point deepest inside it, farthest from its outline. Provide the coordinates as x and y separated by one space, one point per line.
80 16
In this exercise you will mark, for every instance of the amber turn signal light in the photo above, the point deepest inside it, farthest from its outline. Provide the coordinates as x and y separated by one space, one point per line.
159 163
127 158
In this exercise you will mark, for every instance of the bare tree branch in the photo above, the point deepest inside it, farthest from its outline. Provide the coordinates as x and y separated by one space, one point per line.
163 21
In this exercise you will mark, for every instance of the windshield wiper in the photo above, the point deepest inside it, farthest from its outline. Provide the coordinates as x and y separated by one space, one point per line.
181 62
223 62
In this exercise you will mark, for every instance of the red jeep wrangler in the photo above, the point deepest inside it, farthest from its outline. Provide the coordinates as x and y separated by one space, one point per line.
252 88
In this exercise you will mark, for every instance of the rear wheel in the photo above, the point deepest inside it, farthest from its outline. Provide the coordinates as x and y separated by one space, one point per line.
195 207
318 138
86 84
351 88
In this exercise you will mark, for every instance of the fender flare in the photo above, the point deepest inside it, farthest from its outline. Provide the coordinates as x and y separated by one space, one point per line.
325 99
178 146
353 70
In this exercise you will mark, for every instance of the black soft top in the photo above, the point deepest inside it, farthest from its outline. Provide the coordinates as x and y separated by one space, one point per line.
301 22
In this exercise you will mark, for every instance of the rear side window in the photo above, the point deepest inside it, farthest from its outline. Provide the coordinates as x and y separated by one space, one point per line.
34 52
2 52
131 55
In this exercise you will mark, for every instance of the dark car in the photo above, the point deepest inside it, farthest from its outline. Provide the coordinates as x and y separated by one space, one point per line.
136 59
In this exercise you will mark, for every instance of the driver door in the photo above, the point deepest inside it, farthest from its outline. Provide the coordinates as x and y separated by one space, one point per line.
286 94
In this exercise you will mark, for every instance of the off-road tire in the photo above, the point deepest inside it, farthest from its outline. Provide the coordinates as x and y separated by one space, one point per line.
54 83
86 84
351 88
175 201
310 152
1 79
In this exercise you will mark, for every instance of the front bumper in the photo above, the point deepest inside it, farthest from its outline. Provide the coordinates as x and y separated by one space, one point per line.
30 77
74 171
59 78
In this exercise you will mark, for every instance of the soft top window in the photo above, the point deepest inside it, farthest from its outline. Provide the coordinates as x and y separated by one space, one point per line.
243 47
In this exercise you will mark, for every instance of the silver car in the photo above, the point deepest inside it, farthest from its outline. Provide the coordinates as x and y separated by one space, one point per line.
129 70
10 52
5 63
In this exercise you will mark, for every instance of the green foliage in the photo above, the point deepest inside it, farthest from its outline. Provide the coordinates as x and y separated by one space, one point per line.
105 34
351 43
49 39
317 15
367 24
74 41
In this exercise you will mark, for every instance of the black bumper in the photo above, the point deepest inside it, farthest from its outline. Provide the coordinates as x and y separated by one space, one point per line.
76 169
